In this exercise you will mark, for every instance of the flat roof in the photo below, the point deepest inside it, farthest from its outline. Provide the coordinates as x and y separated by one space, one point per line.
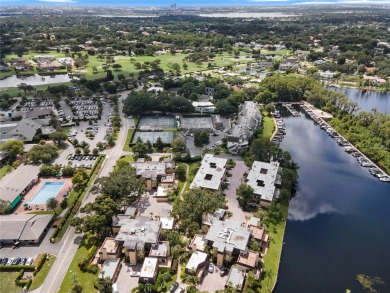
110 245
248 259
236 278
139 230
109 268
196 259
210 173
160 249
199 242
25 227
167 223
13 184
149 267
254 221
262 177
228 235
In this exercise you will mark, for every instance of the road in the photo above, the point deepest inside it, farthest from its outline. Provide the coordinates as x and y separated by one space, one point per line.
71 240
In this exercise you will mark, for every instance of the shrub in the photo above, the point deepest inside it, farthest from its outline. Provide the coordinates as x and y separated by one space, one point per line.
76 207
40 263
16 268
174 266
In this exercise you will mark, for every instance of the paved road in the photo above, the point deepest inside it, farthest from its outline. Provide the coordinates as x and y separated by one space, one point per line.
71 240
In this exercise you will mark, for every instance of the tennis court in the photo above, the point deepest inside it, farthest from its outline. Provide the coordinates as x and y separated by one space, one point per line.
48 190
166 137
196 123
157 121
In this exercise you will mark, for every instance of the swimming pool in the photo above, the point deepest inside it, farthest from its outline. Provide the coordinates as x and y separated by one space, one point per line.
48 190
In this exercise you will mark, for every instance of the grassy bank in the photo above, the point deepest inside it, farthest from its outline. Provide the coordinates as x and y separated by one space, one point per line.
272 258
86 280
7 282
130 134
5 170
41 276
268 125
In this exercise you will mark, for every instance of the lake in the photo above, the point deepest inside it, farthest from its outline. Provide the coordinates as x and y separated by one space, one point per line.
338 223
34 79
367 100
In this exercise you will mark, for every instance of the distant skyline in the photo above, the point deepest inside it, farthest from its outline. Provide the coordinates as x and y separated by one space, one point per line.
190 2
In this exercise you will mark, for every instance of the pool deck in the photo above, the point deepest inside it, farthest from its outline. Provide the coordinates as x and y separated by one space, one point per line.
42 207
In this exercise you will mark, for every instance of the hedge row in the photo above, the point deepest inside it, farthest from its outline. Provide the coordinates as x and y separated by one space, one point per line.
29 268
85 263
76 205
40 263
188 159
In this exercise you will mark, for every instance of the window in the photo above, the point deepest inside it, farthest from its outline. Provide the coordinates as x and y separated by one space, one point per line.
263 171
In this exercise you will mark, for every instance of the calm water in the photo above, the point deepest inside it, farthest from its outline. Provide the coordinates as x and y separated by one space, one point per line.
367 100
338 223
35 79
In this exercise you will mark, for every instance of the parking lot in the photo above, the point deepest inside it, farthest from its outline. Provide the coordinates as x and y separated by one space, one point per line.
82 161
212 282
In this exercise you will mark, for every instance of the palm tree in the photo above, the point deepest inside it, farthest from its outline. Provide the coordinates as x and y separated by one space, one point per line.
52 204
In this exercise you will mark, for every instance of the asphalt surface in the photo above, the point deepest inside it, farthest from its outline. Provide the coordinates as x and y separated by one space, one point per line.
71 240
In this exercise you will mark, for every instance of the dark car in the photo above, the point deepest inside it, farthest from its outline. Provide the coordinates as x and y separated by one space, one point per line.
1 244
4 261
23 261
223 272
16 261
174 287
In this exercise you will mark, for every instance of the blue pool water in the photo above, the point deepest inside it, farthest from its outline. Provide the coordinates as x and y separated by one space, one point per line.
48 190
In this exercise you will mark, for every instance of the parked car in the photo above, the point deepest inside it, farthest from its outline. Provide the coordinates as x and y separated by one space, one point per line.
16 261
23 261
223 272
4 261
1 244
29 261
211 268
181 290
174 287
15 245
10 261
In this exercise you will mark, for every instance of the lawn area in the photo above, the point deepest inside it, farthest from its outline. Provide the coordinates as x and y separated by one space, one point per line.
192 167
41 276
268 125
127 147
127 158
5 170
7 282
272 258
86 280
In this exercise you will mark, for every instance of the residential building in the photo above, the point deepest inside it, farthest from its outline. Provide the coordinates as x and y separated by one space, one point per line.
162 252
211 173
264 179
22 66
198 243
109 249
196 263
248 260
236 279
326 74
167 220
156 173
217 122
24 130
249 118
136 236
149 270
26 228
37 113
110 269
204 107
208 219
227 238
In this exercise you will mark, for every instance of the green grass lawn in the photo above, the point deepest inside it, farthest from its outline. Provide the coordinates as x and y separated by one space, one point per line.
7 282
268 125
41 276
5 170
86 280
272 258
127 158
127 147
192 166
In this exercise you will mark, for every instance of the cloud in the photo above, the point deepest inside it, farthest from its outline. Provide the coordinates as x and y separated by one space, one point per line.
304 211
59 1
255 1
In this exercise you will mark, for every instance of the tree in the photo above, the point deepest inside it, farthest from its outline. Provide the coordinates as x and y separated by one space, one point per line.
123 185
181 172
12 148
47 170
195 203
159 144
270 107
201 138
52 204
80 177
245 194
4 206
223 107
140 149
42 153
116 66
178 144
95 152
58 137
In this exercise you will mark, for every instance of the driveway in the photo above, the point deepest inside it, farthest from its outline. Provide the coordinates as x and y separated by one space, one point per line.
212 282
235 181
125 282
148 204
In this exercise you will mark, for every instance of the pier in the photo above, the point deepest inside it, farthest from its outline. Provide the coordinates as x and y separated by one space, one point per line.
342 141
291 109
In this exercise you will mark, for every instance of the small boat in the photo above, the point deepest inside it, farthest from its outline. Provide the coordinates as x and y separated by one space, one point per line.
385 179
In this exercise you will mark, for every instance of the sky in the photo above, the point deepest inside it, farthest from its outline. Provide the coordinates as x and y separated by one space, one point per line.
190 2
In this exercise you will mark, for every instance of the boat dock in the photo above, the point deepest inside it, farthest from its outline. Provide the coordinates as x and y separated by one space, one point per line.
280 129
290 108
349 148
